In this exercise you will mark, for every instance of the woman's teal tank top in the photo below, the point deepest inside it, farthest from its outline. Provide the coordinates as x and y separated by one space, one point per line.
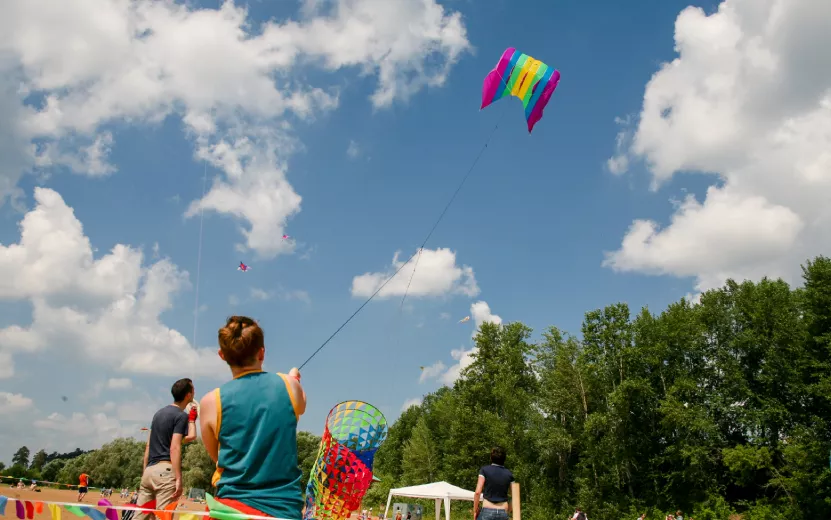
257 430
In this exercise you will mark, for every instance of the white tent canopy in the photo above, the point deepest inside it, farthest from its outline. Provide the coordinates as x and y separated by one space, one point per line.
439 491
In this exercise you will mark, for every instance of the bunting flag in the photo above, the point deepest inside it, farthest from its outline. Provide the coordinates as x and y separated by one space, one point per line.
26 510
110 513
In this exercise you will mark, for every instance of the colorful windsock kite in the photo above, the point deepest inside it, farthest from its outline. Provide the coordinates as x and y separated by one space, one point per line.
521 76
342 472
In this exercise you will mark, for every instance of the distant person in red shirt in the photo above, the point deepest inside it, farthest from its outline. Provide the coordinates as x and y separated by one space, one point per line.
83 480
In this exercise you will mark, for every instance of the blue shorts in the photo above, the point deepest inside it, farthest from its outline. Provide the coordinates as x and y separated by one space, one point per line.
492 514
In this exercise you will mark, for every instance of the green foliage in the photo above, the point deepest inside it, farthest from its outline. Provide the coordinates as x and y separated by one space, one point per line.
21 457
197 467
717 408
307 448
38 460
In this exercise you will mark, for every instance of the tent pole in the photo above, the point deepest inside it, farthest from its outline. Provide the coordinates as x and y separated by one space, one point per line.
515 500
387 510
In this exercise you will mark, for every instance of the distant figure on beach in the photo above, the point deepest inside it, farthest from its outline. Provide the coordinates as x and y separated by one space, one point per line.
83 482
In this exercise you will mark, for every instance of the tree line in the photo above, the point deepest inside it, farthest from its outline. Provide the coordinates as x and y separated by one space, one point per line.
118 464
717 408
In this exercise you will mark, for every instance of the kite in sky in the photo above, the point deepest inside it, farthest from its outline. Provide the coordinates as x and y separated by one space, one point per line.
242 267
521 76
285 237
465 319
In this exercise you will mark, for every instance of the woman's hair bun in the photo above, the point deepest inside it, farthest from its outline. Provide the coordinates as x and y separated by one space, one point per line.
240 340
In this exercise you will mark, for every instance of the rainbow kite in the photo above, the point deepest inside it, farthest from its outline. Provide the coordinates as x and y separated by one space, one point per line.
521 76
342 472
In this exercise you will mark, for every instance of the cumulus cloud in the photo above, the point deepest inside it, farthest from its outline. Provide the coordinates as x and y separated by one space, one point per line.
353 151
260 294
119 383
481 313
108 308
435 275
409 403
74 69
749 99
80 430
432 371
11 403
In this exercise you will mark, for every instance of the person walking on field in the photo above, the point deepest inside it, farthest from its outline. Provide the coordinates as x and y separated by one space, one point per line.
494 485
171 428
249 427
83 482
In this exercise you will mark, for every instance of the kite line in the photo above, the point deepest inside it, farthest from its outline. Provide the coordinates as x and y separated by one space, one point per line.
199 253
418 252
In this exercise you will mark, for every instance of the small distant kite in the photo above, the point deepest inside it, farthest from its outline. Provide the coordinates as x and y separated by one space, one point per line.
521 76
285 237
64 398
465 319
242 267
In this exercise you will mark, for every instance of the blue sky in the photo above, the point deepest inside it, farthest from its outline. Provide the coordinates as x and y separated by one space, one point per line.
533 222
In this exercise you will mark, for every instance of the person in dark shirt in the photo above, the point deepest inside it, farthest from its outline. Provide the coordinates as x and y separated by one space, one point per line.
170 429
494 485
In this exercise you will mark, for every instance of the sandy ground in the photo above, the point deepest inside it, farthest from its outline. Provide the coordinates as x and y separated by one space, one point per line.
71 496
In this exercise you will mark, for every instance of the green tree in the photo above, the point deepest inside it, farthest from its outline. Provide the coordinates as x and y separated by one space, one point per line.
307 447
52 469
21 457
420 463
38 460
197 467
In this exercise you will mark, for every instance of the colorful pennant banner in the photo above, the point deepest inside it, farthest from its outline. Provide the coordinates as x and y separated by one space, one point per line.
26 510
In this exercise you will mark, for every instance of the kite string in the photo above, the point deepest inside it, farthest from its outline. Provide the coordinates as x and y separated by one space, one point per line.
199 252
458 189
430 234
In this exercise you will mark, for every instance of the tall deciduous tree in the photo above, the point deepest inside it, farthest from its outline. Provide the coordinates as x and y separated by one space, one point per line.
21 457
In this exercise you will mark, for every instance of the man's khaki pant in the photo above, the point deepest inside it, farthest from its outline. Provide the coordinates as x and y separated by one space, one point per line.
158 482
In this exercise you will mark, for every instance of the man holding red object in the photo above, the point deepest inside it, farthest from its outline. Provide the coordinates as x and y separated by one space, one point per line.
172 427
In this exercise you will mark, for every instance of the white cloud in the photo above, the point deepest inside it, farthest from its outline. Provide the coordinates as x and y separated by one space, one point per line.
481 313
296 294
108 308
435 275
749 99
353 151
432 371
464 358
280 292
119 383
12 403
259 294
409 403
96 63
619 163
81 430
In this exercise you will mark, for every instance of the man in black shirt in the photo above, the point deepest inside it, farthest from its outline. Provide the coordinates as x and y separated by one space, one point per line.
494 484
171 428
